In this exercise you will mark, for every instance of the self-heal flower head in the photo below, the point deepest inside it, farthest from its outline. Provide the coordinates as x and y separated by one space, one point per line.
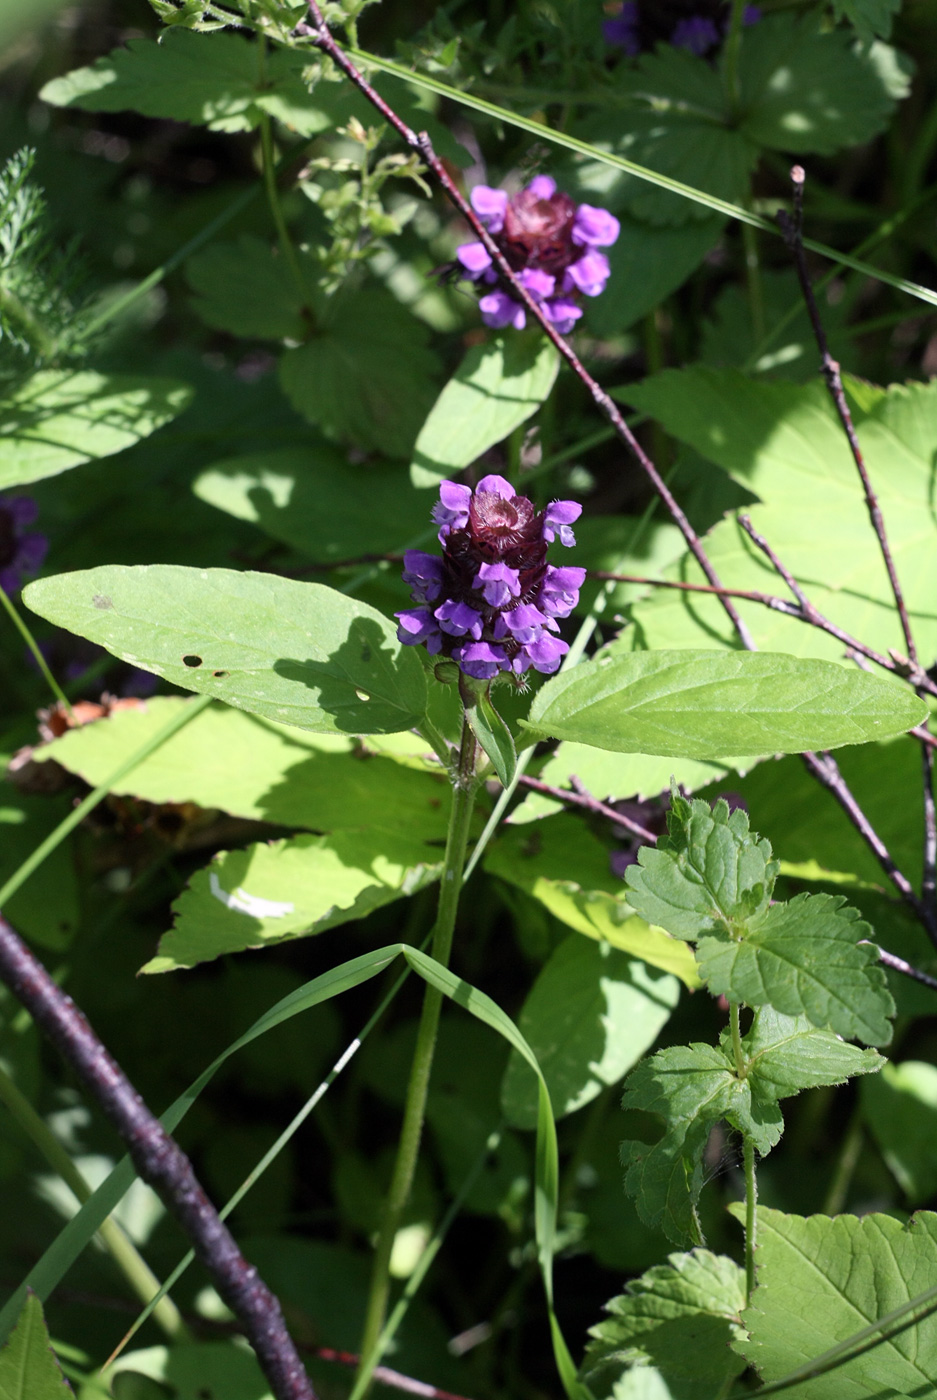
21 551
491 602
550 243
698 26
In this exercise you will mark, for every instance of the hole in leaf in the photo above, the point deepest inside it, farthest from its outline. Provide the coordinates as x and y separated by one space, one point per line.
191 660
219 675
362 694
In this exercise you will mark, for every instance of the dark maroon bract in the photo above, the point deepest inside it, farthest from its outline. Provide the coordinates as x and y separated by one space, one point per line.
492 600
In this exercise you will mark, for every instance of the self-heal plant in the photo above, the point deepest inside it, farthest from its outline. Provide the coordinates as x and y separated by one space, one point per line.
552 243
492 601
21 550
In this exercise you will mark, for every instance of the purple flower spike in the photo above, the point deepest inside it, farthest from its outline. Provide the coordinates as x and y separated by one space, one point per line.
623 29
21 552
551 245
491 601
490 206
698 34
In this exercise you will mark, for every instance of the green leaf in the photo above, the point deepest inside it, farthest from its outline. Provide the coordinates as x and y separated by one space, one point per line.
494 736
704 704
300 653
821 1280
645 270
269 304
365 375
782 442
803 90
680 1317
188 1371
871 18
808 957
709 873
559 863
900 1111
212 81
498 385
310 497
787 1054
255 769
591 1013
28 1368
690 1087
284 889
58 419
47 908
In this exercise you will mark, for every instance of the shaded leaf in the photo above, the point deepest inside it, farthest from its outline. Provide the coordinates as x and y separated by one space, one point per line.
305 885
872 18
301 653
703 704
588 1017
900 1110
498 385
645 270
806 957
28 1368
58 419
247 288
679 1317
820 1280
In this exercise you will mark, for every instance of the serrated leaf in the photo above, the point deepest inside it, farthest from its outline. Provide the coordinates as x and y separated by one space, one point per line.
498 385
588 1017
284 889
297 653
900 1110
365 374
710 872
560 863
310 497
704 704
28 1368
807 958
679 1317
247 288
821 1280
787 1054
803 90
216 82
255 769
58 419
871 18
645 270
690 1087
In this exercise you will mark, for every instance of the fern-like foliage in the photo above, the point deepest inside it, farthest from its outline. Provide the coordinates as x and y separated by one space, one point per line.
39 311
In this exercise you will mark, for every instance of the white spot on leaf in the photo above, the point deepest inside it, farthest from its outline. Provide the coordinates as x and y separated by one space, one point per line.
243 903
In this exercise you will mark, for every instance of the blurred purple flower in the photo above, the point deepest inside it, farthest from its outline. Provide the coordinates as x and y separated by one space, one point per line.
696 25
491 601
21 552
549 241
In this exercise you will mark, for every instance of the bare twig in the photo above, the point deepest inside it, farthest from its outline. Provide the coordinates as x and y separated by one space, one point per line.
320 36
929 878
792 229
160 1162
581 798
905 968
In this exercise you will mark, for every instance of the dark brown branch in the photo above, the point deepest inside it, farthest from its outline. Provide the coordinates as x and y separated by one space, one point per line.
929 878
905 968
793 231
161 1162
320 36
581 798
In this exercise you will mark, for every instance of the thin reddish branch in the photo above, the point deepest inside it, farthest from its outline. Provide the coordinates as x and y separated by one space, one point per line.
579 797
793 231
161 1163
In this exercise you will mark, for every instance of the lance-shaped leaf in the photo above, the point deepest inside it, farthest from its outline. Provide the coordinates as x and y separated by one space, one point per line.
58 419
821 1280
709 872
496 388
679 1317
707 704
299 653
690 1087
807 957
28 1367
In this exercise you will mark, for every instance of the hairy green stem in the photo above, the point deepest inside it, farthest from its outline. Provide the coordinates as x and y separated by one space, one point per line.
122 1250
276 210
751 1216
463 798
29 639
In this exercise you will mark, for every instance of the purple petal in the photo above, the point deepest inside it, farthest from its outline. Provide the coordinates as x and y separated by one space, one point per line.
418 625
475 258
538 283
480 659
623 29
9 580
458 618
563 313
542 187
697 34
751 14
499 310
490 206
546 653
22 510
451 510
589 275
30 553
557 518
499 584
559 592
524 623
424 574
497 486
595 227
